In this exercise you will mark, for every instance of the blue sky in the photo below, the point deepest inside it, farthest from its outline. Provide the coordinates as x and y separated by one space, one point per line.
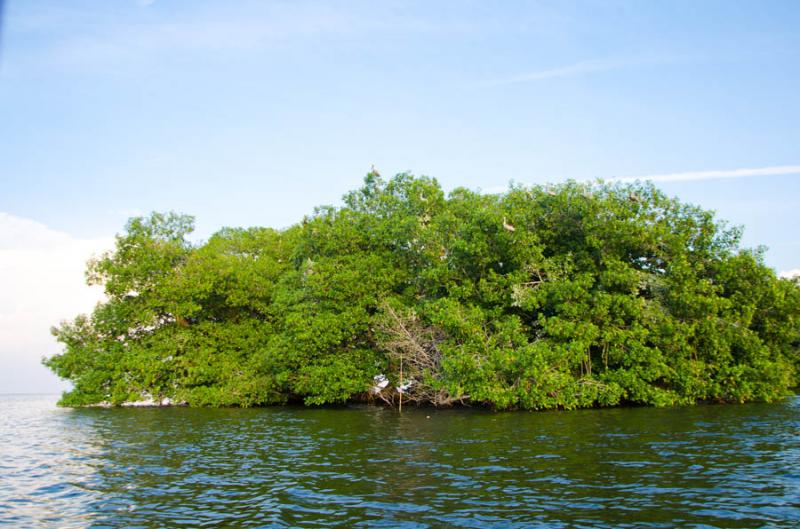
252 113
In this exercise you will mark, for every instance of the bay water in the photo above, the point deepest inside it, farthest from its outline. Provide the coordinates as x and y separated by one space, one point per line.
731 466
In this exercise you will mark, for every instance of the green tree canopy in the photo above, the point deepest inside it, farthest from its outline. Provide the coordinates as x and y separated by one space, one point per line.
563 296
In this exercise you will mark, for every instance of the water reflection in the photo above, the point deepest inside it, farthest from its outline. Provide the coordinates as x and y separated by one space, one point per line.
712 466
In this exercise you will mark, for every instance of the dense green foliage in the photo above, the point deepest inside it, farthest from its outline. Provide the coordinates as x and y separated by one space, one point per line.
561 297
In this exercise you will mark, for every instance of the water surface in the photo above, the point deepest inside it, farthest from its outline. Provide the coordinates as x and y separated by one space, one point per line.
731 466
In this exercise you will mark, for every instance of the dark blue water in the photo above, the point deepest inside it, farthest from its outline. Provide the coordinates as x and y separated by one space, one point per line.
709 466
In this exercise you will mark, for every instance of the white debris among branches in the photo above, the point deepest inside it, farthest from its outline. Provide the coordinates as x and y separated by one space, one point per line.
413 348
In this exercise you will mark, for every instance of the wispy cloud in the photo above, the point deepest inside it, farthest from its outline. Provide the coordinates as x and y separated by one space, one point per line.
102 37
570 70
589 67
688 176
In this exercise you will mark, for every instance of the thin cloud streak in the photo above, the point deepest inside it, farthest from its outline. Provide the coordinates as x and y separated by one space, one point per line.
690 176
572 70
714 175
592 67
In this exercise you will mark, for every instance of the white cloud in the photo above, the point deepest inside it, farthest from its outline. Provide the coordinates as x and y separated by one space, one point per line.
712 175
42 283
788 274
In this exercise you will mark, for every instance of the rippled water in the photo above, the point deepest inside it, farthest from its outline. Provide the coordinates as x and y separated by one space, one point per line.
708 466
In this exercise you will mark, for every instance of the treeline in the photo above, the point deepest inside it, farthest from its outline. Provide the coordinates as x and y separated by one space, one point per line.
564 296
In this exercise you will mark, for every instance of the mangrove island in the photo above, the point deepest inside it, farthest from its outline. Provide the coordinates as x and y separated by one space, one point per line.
562 296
